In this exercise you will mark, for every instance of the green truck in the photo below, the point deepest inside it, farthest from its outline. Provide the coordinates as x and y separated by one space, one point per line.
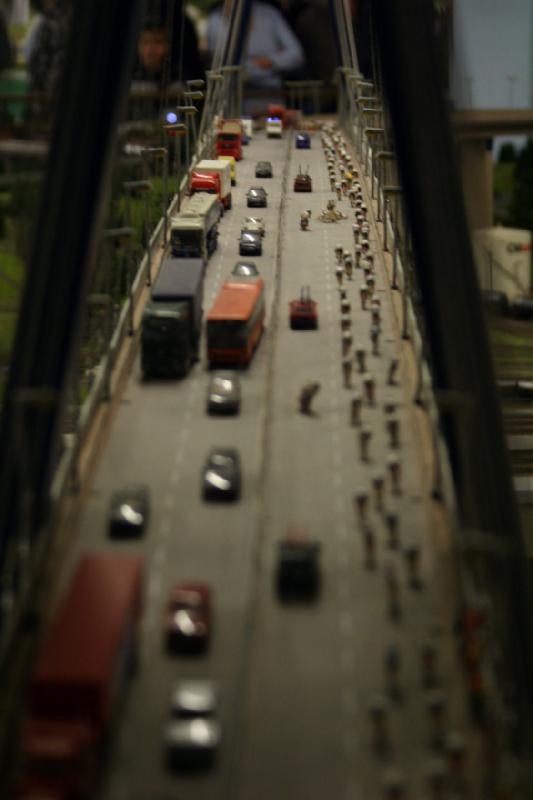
172 319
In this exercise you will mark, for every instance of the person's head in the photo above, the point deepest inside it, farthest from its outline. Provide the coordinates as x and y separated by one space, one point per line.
153 47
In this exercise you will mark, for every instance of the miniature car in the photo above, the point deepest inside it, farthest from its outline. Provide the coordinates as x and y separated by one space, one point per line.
298 569
194 698
256 197
128 512
221 475
303 182
223 394
191 743
255 224
188 617
274 128
303 312
250 244
245 272
263 169
302 140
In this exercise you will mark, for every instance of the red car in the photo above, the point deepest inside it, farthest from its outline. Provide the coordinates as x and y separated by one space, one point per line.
303 312
303 182
188 617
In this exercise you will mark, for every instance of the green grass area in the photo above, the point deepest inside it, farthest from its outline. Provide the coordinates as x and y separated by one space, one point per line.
11 277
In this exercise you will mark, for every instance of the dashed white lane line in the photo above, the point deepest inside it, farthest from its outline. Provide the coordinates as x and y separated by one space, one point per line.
343 590
342 531
169 501
175 476
154 584
159 555
350 742
164 528
337 480
346 624
347 662
348 701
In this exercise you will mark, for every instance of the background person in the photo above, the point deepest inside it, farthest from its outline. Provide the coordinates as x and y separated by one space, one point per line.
271 50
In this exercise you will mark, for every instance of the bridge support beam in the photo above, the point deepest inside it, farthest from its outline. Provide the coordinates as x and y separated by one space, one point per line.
477 179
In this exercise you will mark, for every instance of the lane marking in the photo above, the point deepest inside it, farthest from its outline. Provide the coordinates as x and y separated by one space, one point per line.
348 701
347 661
346 623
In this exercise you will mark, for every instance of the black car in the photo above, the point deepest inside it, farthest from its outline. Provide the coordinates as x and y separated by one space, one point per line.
221 475
128 512
263 169
298 570
256 197
250 244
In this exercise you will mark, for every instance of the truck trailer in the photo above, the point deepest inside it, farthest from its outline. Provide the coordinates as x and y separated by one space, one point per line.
213 176
172 319
79 678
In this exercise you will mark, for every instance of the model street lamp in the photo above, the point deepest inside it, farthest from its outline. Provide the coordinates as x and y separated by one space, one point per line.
190 111
137 189
124 237
155 152
176 129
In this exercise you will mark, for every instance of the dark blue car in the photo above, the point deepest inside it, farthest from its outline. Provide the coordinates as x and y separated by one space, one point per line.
303 141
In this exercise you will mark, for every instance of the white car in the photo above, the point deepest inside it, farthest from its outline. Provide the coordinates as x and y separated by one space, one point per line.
194 698
254 224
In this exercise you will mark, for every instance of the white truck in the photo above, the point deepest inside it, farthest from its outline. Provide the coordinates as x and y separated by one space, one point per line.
212 175
274 128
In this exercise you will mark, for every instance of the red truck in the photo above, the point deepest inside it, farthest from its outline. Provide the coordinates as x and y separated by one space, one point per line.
214 177
289 117
229 138
79 678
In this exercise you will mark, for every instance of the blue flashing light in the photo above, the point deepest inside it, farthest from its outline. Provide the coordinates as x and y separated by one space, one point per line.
172 118
273 119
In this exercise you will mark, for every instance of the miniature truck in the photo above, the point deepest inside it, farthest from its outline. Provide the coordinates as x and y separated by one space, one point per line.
79 678
172 319
274 128
229 138
194 231
213 176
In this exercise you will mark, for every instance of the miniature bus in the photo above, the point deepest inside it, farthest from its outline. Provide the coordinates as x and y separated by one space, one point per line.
235 323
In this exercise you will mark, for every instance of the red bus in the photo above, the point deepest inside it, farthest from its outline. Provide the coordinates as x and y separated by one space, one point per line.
235 322
79 678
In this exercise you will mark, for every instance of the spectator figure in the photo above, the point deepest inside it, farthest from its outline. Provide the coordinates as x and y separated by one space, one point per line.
47 56
6 51
270 50
27 44
167 56
160 58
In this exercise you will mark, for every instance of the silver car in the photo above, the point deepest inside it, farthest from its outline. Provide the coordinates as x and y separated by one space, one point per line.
194 698
224 393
